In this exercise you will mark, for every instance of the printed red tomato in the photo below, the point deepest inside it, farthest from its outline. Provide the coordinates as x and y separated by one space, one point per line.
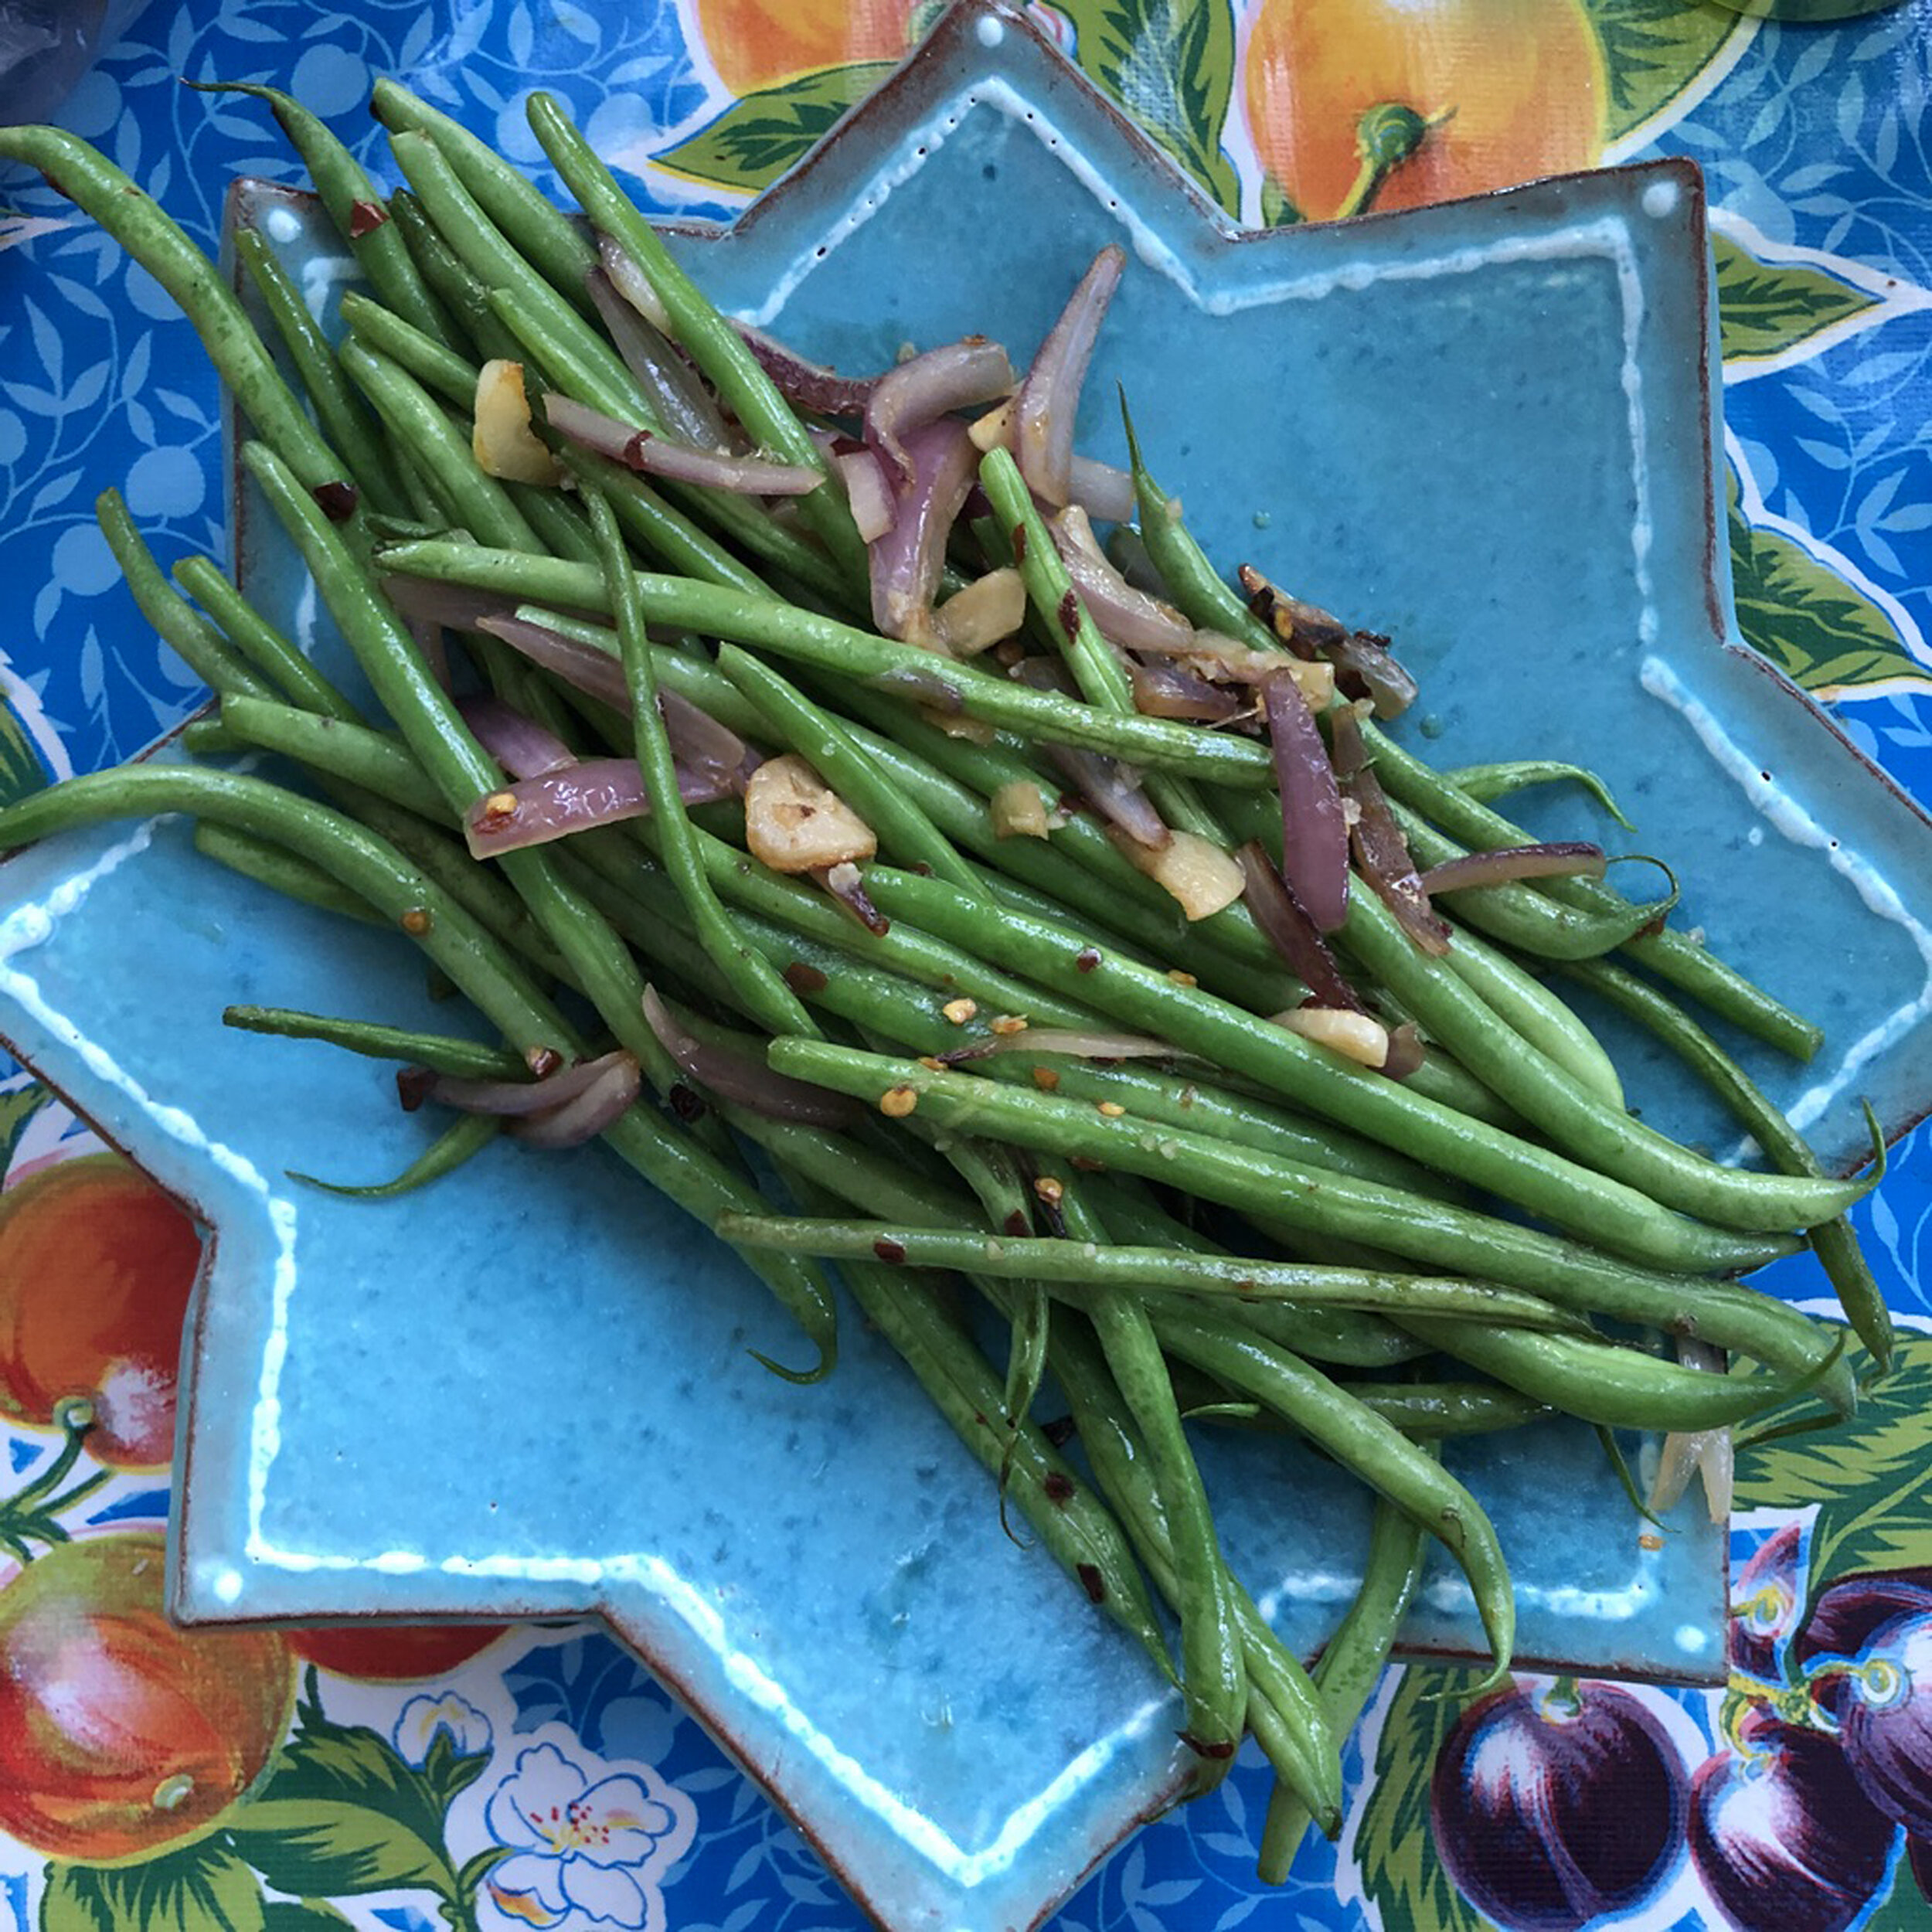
96 1266
121 1734
393 1653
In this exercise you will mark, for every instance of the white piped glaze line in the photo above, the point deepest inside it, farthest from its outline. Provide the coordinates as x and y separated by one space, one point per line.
1786 817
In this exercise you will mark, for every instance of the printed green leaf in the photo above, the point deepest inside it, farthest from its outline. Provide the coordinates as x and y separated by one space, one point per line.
17 1110
303 1915
1865 1475
1653 50
1393 1846
1170 65
756 139
340 1813
1822 632
21 771
1767 308
203 1885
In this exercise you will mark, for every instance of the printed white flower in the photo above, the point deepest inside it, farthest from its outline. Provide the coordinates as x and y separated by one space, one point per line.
589 1843
466 1727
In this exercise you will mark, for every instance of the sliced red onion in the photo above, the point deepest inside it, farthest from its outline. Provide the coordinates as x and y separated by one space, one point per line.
434 647
424 601
632 283
810 384
1707 1452
508 1098
869 492
1076 1045
1165 691
1405 1053
1129 617
601 1104
1382 853
665 456
1111 788
1104 491
1049 398
597 791
685 406
1314 832
1285 921
1562 858
524 748
701 746
961 375
1347 750
742 1076
906 562
583 666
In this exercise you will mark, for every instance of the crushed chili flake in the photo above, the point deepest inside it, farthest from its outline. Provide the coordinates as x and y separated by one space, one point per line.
802 978
1058 1486
338 500
1092 1582
892 1251
1086 959
897 1102
1045 1078
959 1011
364 217
1007 1024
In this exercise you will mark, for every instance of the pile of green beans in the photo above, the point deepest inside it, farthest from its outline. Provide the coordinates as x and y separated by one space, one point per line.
1244 1226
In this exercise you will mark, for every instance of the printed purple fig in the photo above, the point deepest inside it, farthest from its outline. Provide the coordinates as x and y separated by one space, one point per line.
1551 1809
1764 1605
1885 1720
1781 1835
1845 1621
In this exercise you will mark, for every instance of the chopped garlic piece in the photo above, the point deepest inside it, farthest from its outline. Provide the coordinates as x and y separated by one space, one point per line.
1196 873
503 442
1019 811
1354 1035
795 822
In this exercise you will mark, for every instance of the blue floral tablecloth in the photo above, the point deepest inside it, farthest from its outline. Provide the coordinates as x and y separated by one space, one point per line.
538 1776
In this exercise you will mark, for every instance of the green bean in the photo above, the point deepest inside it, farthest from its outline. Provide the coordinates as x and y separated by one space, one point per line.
462 1140
1487 783
711 342
1090 1271
374 761
1579 1123
185 630
1672 956
428 359
258 640
1282 1709
440 1053
1834 1242
338 409
714 611
760 991
353 204
529 222
1058 958
474 324
87 177
1433 1233
1352 1663
281 871
1377 1452
472 497
834 752
1425 1411
1602 1382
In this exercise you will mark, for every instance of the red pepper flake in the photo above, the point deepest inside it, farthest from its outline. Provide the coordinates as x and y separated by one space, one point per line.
413 1086
338 500
1095 1585
1086 958
1058 1486
1058 1431
1045 1078
1222 1747
364 217
1019 542
1017 1224
685 1102
802 978
892 1251
1085 1163
1069 614
543 1061
416 921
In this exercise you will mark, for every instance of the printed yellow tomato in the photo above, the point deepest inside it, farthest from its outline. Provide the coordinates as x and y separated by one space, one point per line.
756 43
121 1733
97 1264
1510 89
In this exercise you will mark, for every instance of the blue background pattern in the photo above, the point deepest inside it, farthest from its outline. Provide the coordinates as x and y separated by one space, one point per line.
1818 140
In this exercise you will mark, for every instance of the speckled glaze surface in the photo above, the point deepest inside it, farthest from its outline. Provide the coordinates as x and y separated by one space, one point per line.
1485 427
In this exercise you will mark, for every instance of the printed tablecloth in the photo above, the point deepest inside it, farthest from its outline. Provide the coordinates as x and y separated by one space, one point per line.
538 1776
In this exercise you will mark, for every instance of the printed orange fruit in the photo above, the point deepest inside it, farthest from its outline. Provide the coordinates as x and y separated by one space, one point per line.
1509 90
756 43
121 1733
97 1264
393 1653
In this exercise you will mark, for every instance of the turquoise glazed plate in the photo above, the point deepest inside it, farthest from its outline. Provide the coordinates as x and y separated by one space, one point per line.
1484 428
